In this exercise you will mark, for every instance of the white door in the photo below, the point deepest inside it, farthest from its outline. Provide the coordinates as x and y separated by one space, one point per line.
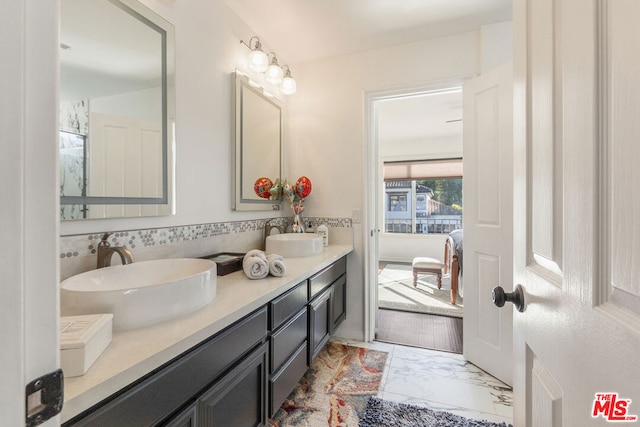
29 201
576 226
488 226
125 154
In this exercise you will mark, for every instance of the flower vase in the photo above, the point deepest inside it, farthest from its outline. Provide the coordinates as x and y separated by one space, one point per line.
297 226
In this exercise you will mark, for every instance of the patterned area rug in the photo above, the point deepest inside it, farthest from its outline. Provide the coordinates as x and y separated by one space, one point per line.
382 413
335 390
396 292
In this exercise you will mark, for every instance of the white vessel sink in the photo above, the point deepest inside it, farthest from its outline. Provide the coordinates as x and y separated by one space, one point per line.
294 245
142 293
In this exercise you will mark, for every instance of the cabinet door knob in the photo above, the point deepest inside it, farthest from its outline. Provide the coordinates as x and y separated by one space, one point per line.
500 297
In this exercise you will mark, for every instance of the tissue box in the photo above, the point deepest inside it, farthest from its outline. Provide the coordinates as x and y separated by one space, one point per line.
82 341
226 262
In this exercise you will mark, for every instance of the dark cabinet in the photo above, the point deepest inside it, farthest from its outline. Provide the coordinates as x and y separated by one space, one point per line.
320 281
285 379
186 418
240 397
287 305
302 321
289 330
328 305
287 339
320 322
339 302
154 399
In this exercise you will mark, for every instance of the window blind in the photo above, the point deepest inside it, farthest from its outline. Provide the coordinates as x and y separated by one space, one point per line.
423 169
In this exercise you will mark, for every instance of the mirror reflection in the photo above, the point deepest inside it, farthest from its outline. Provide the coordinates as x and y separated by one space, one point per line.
258 144
116 110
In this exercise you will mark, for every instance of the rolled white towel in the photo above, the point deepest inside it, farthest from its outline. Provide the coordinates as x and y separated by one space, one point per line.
256 252
276 265
255 264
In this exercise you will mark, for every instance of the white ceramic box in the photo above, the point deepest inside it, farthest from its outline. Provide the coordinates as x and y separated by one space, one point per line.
82 341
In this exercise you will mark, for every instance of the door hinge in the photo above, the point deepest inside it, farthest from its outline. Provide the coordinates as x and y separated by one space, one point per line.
44 398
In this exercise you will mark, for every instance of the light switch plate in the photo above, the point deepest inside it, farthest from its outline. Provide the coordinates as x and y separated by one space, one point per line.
355 216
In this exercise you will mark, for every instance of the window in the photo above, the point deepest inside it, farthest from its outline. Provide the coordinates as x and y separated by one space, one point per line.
397 202
427 201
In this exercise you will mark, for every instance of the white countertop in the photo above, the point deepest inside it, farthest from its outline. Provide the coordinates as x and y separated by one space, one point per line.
133 354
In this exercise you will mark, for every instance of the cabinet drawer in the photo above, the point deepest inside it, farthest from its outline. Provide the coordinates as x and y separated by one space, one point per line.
288 339
287 304
163 392
286 379
326 277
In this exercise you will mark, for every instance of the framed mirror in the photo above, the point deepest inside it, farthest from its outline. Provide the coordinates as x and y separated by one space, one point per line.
258 143
116 110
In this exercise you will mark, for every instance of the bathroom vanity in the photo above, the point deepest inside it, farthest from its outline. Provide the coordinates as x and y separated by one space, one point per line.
231 363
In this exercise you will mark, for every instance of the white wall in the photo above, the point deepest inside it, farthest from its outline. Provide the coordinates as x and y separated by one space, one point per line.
496 45
142 104
326 115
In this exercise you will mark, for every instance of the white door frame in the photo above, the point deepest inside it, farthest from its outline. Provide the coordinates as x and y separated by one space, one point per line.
372 175
29 219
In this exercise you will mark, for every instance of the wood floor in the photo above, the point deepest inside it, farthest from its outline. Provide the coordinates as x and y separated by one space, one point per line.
420 330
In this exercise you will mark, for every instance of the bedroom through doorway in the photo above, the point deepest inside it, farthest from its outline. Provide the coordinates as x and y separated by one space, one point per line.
419 146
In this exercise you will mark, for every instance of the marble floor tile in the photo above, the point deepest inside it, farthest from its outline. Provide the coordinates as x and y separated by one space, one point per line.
439 389
441 381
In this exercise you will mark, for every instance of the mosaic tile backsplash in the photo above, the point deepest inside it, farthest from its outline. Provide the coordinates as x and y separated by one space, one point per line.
77 252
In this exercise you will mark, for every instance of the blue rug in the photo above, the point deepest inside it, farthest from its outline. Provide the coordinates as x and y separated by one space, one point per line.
383 413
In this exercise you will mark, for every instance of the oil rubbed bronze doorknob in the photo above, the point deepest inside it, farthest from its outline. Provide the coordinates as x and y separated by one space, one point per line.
499 297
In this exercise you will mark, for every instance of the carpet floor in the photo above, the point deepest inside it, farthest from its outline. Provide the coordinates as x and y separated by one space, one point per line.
382 413
396 292
335 390
420 330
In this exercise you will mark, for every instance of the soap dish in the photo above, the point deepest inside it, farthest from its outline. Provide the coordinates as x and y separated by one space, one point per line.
82 341
226 262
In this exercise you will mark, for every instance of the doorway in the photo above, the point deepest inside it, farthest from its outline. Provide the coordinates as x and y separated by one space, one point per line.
415 140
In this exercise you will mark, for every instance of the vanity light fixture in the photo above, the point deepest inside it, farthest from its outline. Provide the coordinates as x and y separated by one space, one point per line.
274 73
288 83
258 60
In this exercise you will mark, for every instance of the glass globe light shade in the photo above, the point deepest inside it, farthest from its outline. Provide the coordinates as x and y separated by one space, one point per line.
288 85
274 74
258 61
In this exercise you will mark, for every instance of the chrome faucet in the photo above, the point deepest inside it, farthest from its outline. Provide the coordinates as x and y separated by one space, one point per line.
106 251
